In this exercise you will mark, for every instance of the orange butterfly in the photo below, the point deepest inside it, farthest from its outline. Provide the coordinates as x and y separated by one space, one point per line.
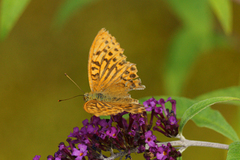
111 77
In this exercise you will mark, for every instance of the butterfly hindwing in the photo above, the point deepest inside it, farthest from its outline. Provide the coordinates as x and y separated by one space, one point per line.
99 108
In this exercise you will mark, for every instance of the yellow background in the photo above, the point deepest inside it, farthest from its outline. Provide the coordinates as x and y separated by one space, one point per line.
34 59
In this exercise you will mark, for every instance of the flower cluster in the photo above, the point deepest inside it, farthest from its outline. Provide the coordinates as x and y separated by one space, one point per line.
117 134
168 124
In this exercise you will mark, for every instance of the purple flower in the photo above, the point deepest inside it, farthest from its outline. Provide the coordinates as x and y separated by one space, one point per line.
153 149
83 130
75 132
141 121
112 132
141 149
81 152
132 133
161 156
92 129
50 157
150 104
36 157
85 122
95 120
172 120
167 152
105 125
162 152
158 110
85 140
150 138
102 134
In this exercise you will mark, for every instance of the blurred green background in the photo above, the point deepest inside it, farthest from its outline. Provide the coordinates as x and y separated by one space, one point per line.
184 48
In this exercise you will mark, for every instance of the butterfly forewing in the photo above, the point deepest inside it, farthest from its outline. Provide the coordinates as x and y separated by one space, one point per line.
108 66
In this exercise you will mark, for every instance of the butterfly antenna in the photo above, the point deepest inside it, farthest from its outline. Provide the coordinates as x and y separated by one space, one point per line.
60 100
73 82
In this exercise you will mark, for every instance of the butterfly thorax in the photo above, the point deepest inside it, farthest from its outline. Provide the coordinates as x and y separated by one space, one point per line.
92 96
106 98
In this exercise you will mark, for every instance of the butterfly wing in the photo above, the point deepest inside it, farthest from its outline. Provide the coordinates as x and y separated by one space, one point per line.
99 108
108 70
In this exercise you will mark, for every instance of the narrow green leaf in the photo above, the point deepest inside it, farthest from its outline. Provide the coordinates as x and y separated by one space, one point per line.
199 106
223 11
11 10
192 17
234 151
67 9
231 91
184 50
189 42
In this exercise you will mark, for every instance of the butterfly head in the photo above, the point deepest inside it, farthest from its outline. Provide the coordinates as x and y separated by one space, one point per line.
86 97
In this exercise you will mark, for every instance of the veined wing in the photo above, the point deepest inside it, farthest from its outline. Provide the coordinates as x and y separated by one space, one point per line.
108 70
100 108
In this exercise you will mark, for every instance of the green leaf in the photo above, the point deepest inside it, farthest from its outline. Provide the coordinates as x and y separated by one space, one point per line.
105 117
11 10
234 151
67 9
189 42
193 13
223 11
199 106
179 158
231 91
183 52
186 46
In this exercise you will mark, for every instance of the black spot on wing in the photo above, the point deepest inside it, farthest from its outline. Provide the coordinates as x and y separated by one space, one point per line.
133 68
132 75
105 50
96 63
98 53
122 63
114 59
95 76
94 68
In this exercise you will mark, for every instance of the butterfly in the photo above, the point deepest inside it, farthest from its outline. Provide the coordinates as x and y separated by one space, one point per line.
111 77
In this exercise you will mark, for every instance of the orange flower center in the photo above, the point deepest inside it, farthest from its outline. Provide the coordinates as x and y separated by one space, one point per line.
164 153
